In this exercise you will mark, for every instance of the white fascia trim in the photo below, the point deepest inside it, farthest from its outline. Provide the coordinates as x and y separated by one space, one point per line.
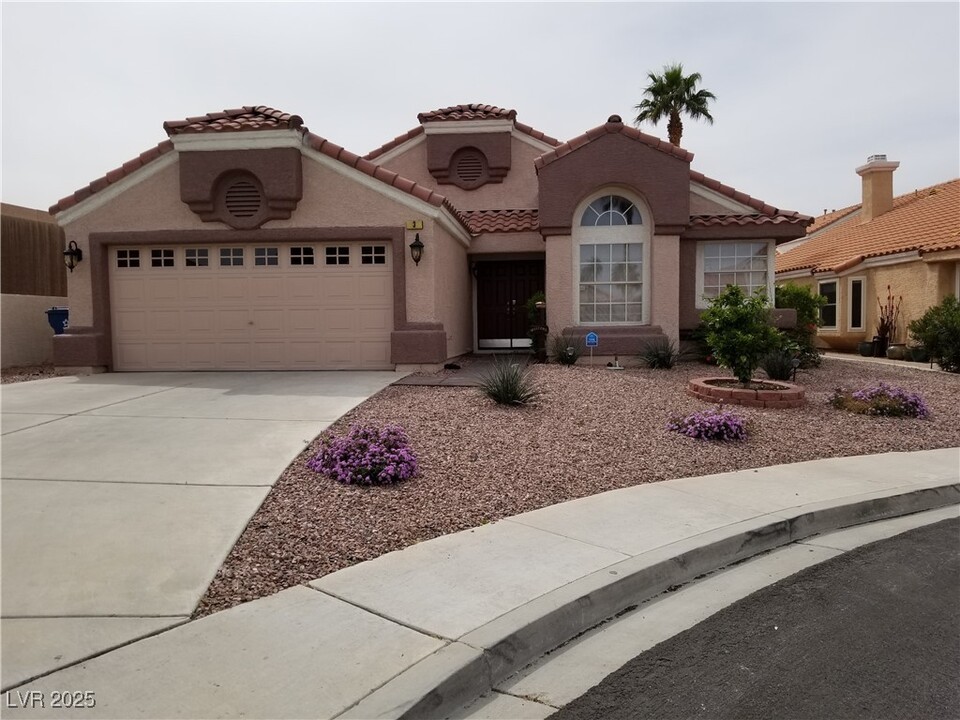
713 196
439 214
400 149
252 140
472 127
790 244
883 260
532 141
98 200
794 274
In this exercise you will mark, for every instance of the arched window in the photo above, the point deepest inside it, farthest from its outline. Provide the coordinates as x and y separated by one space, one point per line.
610 210
611 262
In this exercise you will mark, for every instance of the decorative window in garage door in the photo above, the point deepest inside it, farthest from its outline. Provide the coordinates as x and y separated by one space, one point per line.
128 258
263 256
197 257
161 258
373 255
338 255
231 257
301 256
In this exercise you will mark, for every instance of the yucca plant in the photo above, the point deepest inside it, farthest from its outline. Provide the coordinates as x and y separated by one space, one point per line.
778 365
507 383
660 354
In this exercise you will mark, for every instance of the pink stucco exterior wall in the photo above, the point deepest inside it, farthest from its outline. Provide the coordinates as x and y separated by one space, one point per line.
518 189
665 284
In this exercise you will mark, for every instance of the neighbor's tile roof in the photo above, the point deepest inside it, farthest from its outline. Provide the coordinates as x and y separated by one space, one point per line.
926 220
821 221
473 111
612 126
502 221
249 117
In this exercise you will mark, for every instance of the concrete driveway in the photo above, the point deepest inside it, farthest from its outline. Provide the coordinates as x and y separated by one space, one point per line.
123 493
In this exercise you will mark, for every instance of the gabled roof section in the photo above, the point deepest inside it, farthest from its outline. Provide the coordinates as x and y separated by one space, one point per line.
115 175
741 197
925 220
612 127
247 118
502 221
822 221
474 111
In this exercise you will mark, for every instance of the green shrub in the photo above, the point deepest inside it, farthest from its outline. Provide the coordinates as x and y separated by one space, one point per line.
778 365
807 304
507 383
660 354
938 330
739 330
567 348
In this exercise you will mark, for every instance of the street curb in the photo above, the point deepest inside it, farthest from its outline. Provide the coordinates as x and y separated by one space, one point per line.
481 659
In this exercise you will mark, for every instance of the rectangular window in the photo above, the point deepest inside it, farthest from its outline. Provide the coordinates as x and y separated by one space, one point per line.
197 257
611 282
339 255
161 258
231 257
301 256
856 303
828 313
128 258
266 256
373 255
734 263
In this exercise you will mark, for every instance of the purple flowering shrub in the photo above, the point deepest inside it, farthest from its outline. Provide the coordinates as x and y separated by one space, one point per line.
367 455
719 425
881 399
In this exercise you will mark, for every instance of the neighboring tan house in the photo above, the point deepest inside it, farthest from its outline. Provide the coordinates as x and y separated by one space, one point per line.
33 280
244 241
910 242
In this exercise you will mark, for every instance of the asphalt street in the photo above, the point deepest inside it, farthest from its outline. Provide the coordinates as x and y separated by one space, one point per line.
873 634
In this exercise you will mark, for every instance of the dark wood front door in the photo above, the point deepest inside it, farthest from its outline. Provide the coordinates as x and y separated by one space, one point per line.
503 288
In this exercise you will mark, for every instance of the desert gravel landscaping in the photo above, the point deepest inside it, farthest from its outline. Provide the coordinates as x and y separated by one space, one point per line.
592 430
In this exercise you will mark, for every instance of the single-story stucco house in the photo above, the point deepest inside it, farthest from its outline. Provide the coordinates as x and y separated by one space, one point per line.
244 241
909 243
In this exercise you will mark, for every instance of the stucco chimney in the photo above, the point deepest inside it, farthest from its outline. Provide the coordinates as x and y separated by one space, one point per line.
877 177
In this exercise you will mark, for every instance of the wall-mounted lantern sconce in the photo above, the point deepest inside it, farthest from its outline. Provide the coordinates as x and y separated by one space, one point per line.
416 250
72 255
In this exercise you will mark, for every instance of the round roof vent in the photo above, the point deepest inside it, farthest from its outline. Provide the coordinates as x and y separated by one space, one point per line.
242 199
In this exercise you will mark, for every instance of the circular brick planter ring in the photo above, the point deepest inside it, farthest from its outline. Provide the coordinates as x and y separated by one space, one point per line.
728 391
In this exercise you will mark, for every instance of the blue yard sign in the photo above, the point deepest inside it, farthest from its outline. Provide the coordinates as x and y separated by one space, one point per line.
593 340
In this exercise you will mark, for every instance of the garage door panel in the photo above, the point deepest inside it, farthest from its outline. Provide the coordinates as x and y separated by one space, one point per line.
212 317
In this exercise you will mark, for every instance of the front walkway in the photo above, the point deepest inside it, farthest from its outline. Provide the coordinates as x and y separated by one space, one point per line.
123 493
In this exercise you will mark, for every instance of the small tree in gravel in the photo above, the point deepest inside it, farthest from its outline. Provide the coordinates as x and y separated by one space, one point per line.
739 331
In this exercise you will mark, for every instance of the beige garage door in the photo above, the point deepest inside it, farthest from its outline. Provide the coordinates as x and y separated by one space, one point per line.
285 306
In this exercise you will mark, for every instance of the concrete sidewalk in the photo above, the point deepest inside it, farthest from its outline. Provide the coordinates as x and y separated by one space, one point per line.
123 493
418 632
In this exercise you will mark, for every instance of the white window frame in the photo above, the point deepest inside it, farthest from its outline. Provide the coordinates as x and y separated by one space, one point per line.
637 234
702 303
862 279
837 304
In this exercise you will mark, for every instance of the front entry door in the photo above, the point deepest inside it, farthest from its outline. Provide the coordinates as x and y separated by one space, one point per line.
503 288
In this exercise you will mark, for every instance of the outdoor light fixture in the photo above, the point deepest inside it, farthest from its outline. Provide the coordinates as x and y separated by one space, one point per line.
416 250
72 255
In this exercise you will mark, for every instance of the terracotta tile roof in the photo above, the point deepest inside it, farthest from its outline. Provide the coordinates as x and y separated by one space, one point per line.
821 221
610 127
789 218
925 220
741 197
502 221
249 117
113 176
398 140
474 111
536 134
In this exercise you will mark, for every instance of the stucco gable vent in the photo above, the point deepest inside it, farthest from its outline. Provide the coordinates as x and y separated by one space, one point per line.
242 199
470 167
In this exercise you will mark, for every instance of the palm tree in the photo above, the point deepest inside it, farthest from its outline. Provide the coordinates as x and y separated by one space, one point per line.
671 94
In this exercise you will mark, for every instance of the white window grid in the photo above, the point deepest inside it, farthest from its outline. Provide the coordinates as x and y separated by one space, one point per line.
611 210
301 255
337 255
611 282
266 256
231 257
741 263
373 255
128 258
196 257
161 257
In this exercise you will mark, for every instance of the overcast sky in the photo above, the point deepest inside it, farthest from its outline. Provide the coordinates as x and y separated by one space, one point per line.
805 92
